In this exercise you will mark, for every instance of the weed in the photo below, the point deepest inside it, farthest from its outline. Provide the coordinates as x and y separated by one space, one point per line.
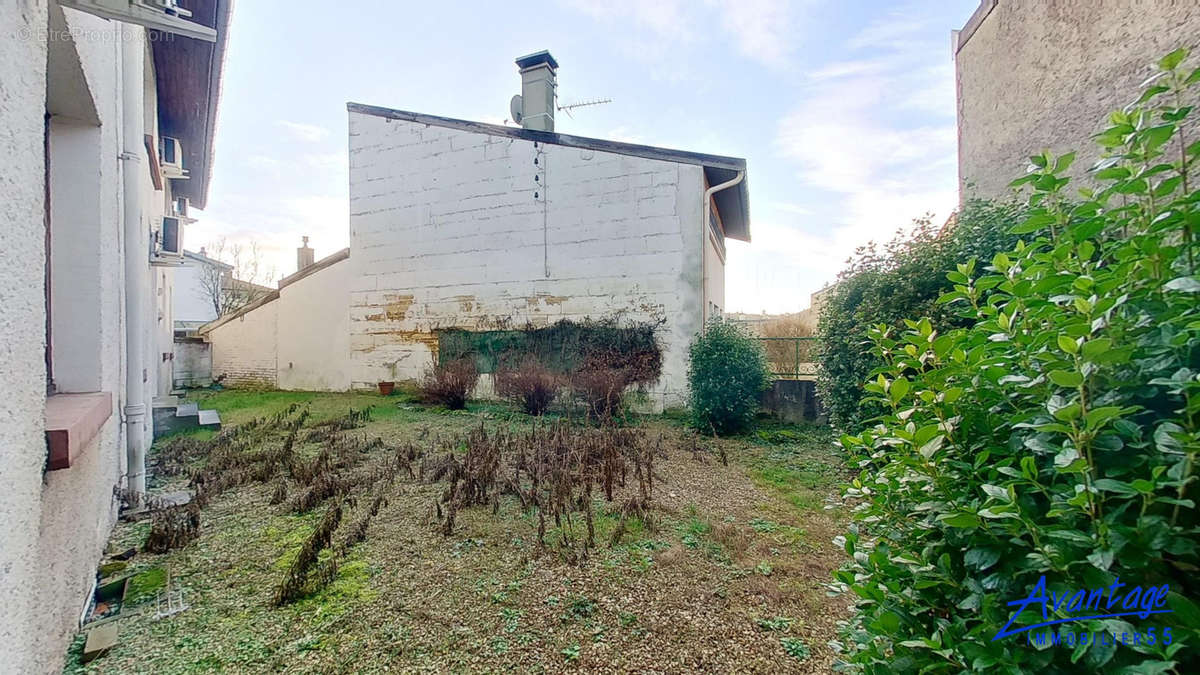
571 652
795 648
778 624
580 608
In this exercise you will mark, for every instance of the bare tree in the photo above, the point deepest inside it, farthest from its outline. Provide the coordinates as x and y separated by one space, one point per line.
228 289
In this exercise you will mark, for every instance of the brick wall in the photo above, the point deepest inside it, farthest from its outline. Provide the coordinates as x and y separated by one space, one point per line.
244 348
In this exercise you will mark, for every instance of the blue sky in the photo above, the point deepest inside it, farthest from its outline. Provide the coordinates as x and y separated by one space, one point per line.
843 110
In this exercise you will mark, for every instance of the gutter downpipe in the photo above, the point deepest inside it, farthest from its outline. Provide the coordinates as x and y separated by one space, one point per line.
136 261
708 207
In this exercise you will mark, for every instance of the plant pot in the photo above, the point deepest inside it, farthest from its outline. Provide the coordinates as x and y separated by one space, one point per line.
385 388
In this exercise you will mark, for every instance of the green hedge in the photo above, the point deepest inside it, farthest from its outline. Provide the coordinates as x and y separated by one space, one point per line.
902 280
1051 441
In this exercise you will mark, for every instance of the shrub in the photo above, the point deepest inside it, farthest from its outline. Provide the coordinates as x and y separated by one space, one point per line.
449 384
530 385
1053 438
901 281
601 388
727 372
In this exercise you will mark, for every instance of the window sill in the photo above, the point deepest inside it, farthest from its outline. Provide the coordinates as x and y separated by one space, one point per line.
72 421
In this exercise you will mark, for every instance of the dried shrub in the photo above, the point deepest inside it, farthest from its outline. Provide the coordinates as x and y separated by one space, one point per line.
530 385
279 493
557 470
294 583
173 527
449 384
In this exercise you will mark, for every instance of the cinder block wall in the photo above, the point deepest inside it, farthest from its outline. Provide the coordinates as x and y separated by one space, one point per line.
452 228
1036 74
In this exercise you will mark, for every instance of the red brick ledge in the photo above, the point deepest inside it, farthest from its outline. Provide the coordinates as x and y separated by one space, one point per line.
72 421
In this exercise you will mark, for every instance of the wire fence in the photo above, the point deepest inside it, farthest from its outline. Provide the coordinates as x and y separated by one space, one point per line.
791 358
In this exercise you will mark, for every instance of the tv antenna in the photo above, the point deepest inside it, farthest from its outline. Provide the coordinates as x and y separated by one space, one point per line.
582 104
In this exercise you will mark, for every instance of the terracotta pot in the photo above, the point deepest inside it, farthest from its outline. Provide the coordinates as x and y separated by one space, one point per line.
385 388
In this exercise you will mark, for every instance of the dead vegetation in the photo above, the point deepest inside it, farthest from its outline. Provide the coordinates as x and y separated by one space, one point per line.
531 385
555 471
420 543
450 384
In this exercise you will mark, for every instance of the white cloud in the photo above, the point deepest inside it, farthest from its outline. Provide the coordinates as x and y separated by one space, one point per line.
309 133
877 134
762 28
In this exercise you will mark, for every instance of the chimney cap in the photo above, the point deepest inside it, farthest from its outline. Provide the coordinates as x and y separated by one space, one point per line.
537 59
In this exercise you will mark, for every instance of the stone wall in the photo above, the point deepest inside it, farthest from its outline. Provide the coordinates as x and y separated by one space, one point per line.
1034 74
245 348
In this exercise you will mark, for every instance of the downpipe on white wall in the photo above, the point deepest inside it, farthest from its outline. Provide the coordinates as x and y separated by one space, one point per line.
707 208
137 259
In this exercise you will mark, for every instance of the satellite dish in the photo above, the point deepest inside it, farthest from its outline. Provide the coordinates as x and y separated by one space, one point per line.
516 109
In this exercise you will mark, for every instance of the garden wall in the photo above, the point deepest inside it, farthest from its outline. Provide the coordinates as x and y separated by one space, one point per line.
1034 74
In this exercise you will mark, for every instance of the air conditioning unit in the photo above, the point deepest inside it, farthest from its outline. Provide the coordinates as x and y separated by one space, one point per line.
179 209
163 15
170 158
168 242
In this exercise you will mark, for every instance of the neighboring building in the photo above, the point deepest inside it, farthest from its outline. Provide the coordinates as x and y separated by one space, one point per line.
1034 75
204 289
457 224
99 120
296 337
197 281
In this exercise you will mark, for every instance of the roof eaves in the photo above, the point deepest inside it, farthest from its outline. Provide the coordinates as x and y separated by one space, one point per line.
584 142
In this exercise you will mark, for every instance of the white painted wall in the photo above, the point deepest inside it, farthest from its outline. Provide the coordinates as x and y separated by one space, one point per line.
191 302
446 231
56 523
314 331
298 341
22 254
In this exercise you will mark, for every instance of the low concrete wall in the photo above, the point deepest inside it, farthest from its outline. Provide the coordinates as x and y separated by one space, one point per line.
792 401
193 363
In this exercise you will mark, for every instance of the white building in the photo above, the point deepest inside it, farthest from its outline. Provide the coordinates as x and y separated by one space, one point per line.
463 225
99 118
193 290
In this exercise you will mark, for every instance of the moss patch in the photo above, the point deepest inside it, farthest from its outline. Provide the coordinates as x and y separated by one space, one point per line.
145 584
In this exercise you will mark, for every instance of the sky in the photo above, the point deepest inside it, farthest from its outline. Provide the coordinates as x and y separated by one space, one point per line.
844 110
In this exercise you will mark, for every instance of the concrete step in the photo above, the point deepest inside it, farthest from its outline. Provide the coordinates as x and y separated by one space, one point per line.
164 402
209 419
189 409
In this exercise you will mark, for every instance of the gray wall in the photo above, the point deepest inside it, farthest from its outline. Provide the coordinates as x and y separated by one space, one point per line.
1036 74
193 363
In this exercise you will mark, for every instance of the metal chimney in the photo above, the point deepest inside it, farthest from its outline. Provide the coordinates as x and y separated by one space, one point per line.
538 90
